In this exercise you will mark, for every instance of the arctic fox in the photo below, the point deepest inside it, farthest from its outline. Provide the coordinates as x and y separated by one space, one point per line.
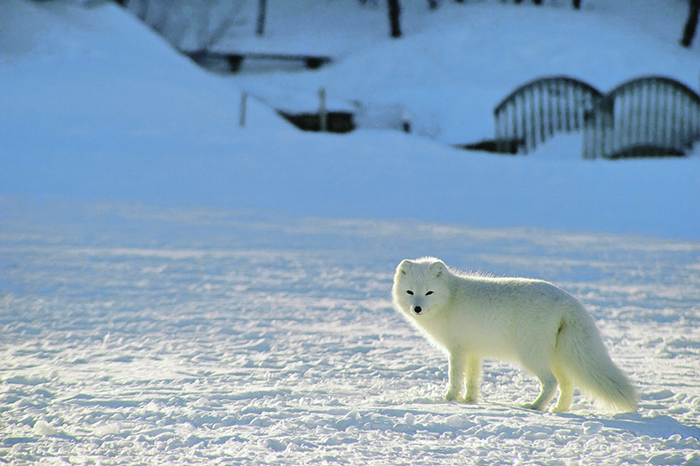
531 321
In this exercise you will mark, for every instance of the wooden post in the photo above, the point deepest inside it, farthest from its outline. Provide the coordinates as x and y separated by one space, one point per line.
533 123
498 132
513 131
541 96
523 119
568 105
551 95
406 120
588 142
667 93
322 110
673 135
242 109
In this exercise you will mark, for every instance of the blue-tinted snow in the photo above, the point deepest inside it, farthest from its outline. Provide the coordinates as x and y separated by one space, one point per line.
150 335
178 290
97 107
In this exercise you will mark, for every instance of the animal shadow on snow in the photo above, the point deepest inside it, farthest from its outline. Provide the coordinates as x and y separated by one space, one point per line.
661 427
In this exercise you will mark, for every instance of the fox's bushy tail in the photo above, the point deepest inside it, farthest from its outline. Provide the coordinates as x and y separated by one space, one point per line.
585 359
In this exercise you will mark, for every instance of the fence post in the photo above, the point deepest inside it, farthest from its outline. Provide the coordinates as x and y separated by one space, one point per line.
589 132
242 109
533 123
524 120
406 120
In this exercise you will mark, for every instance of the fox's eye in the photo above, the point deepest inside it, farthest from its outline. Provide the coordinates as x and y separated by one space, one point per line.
409 292
428 293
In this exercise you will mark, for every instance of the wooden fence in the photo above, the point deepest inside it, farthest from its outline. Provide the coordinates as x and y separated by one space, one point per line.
538 109
647 116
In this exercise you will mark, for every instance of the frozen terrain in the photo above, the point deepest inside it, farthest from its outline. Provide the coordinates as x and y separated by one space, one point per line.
132 335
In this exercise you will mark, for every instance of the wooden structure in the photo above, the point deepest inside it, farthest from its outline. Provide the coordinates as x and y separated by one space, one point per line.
647 116
538 109
331 121
234 60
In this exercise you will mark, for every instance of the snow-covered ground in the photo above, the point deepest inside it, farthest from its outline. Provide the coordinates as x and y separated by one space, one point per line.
134 335
175 289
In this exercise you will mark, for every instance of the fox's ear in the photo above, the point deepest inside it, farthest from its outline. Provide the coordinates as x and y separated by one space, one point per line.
438 268
403 266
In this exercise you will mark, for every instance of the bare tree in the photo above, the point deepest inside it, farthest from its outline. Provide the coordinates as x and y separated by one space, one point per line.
576 3
691 24
394 18
262 13
188 24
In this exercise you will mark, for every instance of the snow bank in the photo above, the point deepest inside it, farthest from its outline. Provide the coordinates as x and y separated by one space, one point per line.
99 108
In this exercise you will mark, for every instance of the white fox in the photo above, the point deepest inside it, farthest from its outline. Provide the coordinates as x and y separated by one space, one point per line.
531 321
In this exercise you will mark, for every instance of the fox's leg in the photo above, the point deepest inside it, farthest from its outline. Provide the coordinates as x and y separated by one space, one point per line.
549 387
566 391
541 367
457 371
473 380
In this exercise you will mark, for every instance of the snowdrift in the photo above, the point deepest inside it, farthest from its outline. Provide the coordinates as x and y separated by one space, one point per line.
97 107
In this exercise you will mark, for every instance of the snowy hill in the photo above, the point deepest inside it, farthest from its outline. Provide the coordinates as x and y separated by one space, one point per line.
97 106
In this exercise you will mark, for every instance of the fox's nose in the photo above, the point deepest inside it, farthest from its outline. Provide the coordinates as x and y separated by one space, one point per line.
417 309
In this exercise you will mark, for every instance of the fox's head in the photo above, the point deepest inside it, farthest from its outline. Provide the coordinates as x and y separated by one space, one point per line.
421 286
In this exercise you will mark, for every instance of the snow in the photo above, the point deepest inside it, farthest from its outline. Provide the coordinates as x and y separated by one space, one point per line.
96 106
452 80
180 336
176 289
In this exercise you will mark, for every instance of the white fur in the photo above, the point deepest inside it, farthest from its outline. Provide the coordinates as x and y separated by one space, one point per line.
531 321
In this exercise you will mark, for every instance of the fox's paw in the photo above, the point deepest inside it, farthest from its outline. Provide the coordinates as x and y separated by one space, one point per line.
453 396
533 407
